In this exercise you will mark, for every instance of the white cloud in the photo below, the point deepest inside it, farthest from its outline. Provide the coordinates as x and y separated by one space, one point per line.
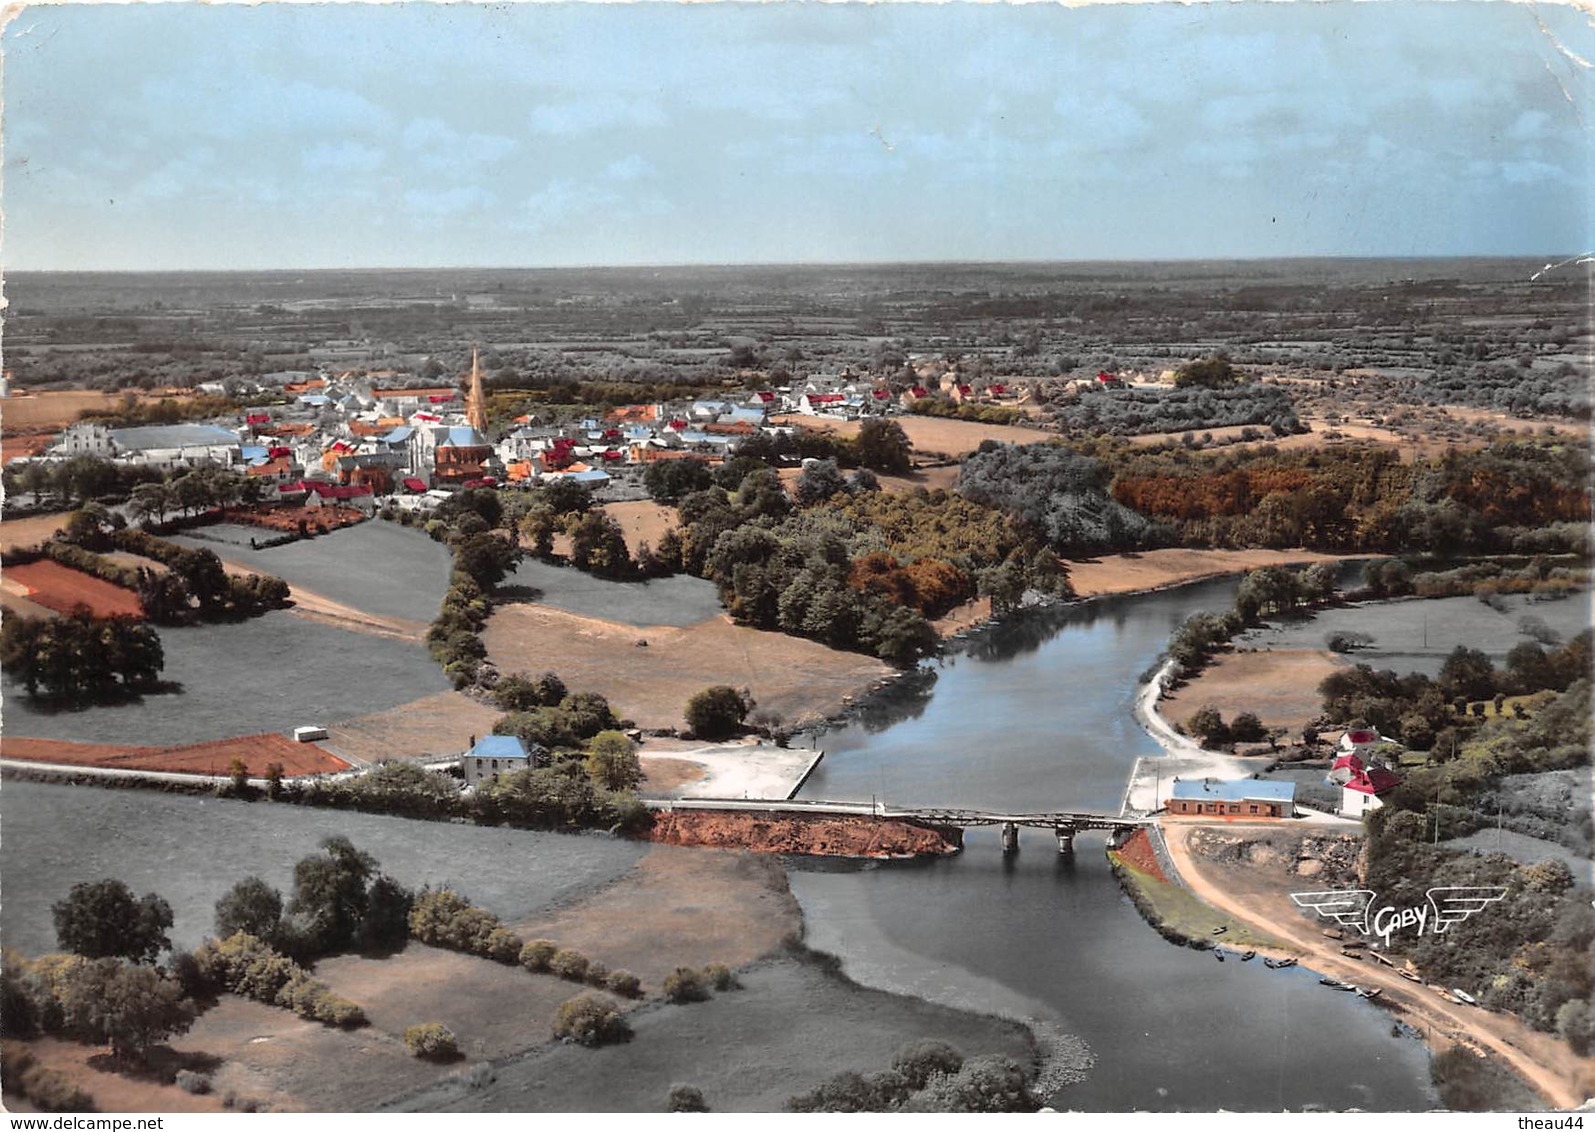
341 157
630 168
598 112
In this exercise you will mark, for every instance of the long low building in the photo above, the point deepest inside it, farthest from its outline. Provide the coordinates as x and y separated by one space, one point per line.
1241 797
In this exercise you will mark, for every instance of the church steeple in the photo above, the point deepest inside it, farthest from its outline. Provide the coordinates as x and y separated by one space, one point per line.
475 402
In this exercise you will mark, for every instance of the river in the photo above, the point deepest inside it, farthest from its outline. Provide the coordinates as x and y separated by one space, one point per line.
1035 714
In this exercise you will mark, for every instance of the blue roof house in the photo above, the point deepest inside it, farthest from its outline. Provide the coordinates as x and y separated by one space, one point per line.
1240 798
494 755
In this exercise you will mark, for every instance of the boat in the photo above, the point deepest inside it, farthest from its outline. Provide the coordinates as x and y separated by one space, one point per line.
1385 959
1248 956
1369 992
1350 954
1279 964
1464 996
1409 975
1218 953
1347 987
1334 933
1336 984
1221 929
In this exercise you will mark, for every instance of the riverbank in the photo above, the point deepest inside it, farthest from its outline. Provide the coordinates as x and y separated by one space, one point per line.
1562 1078
1152 779
1153 570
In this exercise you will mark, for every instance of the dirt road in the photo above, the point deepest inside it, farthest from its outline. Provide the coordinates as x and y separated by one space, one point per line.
1561 1077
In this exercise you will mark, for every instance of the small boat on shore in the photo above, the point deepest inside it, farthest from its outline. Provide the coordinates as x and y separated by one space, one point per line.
1347 987
1410 976
1218 953
1350 954
1385 959
1279 964
1333 984
1370 992
1248 956
1334 933
1221 929
1464 996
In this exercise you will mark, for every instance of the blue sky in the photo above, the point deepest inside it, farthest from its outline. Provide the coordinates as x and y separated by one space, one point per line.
169 136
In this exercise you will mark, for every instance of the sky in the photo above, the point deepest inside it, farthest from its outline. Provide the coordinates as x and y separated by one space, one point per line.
185 136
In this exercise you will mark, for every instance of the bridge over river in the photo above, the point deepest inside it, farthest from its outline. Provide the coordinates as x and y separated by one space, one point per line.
1064 824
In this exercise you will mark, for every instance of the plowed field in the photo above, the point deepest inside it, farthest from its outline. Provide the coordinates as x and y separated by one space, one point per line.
56 587
257 751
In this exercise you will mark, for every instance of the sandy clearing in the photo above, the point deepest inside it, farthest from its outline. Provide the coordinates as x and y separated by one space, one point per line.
30 531
1156 569
663 774
1280 687
439 724
88 1067
1564 1079
798 680
930 435
642 521
737 770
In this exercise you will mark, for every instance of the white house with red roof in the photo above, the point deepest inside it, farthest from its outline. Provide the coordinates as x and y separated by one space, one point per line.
1361 780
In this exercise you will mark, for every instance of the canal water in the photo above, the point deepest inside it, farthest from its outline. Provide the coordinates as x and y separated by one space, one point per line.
1035 714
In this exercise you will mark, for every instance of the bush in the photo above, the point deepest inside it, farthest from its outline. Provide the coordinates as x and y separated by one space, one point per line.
191 1082
537 955
721 977
685 1098
625 984
590 1021
597 974
716 712
50 1091
918 1061
568 964
685 985
251 968
433 1041
503 946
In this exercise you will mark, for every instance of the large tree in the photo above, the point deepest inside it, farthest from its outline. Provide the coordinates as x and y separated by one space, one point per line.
883 445
716 712
101 919
250 906
131 1008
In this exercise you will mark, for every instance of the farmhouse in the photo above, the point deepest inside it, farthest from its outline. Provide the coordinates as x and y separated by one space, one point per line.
1361 783
494 755
1244 798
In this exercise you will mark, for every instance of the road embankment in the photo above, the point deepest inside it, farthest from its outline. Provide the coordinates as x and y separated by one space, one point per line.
816 835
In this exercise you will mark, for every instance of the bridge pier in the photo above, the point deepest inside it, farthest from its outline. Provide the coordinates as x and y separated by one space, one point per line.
1010 837
1065 840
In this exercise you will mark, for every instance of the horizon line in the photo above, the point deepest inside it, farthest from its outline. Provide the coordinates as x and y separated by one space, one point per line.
747 264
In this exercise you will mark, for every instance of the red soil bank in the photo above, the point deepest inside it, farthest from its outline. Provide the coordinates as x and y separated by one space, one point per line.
60 588
803 834
1137 853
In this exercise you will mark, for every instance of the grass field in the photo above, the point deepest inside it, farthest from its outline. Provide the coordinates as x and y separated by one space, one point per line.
1155 569
36 412
30 531
679 600
1416 635
378 568
1279 687
643 521
270 673
932 437
791 1027
796 679
192 850
1182 914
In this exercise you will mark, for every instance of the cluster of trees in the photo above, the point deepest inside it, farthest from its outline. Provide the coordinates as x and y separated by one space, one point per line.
198 490
1060 493
1135 412
544 956
131 1007
1363 498
80 658
340 900
562 726
1529 954
1547 391
443 918
483 557
1208 725
1211 372
925 1076
74 482
1004 559
196 583
1431 714
598 545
